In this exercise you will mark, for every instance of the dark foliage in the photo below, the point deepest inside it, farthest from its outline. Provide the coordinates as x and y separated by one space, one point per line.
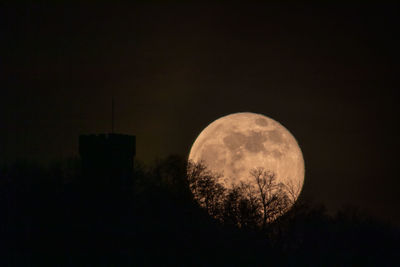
50 217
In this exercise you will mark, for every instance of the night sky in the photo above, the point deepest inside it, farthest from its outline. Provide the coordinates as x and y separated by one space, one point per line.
329 74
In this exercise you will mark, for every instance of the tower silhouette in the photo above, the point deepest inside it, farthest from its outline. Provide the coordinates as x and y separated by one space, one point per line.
107 159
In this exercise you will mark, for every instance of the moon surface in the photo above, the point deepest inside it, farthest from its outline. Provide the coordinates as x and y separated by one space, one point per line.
237 143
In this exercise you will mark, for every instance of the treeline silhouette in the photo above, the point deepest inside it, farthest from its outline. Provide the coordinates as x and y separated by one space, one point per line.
251 203
53 216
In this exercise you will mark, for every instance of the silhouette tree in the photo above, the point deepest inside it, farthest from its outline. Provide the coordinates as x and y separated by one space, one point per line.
241 207
293 189
270 194
170 173
250 204
232 207
206 190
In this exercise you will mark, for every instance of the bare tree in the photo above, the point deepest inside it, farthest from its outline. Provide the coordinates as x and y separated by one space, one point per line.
252 204
249 206
231 207
242 207
206 190
274 201
292 190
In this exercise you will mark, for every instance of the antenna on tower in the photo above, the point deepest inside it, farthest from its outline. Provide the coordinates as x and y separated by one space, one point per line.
112 114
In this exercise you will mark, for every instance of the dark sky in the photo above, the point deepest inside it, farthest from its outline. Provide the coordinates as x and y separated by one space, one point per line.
329 74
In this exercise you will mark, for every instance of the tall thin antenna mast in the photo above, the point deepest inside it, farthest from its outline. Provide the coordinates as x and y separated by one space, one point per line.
112 114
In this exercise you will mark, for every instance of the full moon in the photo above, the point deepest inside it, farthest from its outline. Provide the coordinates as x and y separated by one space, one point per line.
235 144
